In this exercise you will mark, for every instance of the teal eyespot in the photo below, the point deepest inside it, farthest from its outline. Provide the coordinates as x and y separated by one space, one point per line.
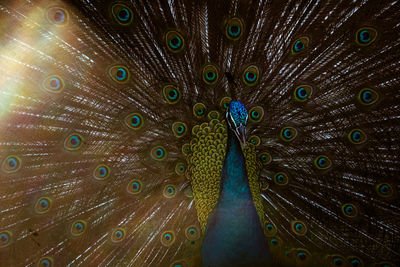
299 228
167 238
192 232
199 110
43 205
174 41
281 178
224 103
11 164
73 142
119 74
300 45
179 129
322 162
122 14
366 36
169 191
274 242
158 153
302 93
234 29
256 114
288 134
180 168
357 136
354 261
269 229
367 96
255 140
251 75
134 121
384 190
57 16
171 94
45 262
53 84
302 256
349 210
335 260
5 238
78 227
101 172
210 74
186 149
118 235
265 158
134 186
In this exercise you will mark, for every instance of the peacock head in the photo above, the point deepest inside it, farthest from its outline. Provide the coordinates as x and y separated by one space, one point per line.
237 116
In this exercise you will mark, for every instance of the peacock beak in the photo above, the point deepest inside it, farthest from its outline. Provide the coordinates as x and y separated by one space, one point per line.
241 135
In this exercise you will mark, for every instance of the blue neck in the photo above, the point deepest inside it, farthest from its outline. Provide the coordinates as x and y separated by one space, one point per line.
234 185
233 235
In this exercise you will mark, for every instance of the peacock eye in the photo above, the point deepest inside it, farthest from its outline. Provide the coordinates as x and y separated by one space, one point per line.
134 121
367 96
302 93
302 256
57 16
199 110
169 191
78 227
11 164
255 140
210 74
300 45
122 14
224 103
213 115
180 168
101 172
192 232
179 129
53 84
171 94
119 74
256 114
134 186
269 228
288 134
158 153
274 242
354 261
179 263
174 41
335 260
118 235
73 142
357 136
349 210
281 178
265 158
322 162
167 238
186 149
234 29
298 227
43 205
45 262
366 36
384 190
5 238
251 75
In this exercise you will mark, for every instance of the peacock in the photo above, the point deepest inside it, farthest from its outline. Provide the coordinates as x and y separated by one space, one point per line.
199 133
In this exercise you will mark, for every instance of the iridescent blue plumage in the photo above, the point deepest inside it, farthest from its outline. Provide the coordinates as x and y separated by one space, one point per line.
233 235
